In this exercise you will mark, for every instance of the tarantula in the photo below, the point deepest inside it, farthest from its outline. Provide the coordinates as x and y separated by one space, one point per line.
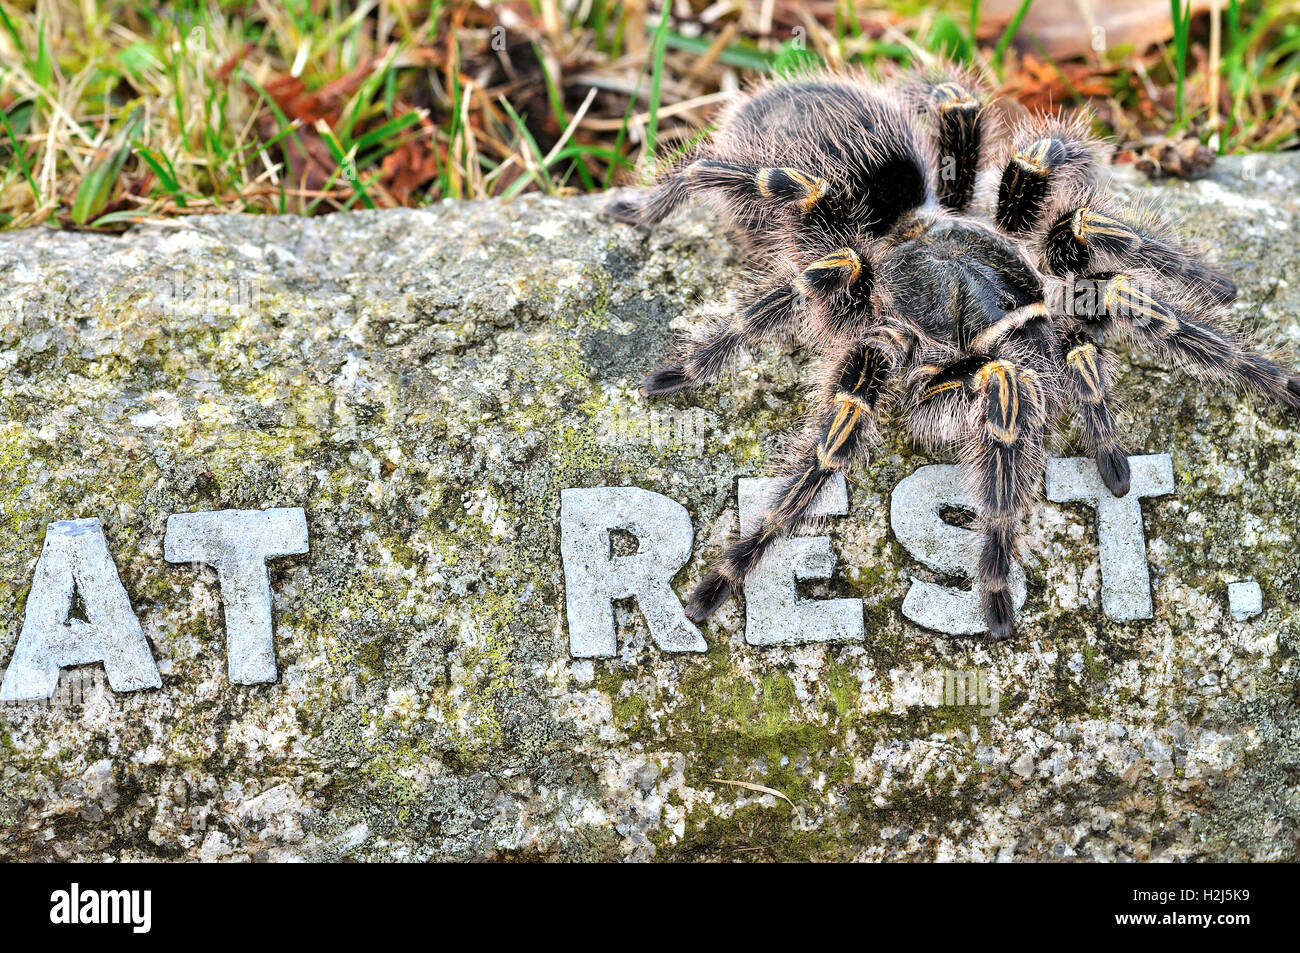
857 198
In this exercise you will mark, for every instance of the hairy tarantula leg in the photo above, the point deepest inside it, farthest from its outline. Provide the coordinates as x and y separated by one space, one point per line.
1078 237
649 206
958 115
701 359
1088 369
861 380
1008 418
772 186
1164 327
781 186
1027 179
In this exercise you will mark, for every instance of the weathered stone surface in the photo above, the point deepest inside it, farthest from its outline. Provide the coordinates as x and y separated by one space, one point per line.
424 384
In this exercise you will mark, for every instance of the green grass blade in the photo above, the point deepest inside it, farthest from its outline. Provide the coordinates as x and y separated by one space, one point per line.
22 159
43 68
741 57
388 131
1009 34
534 171
656 82
286 128
97 186
10 29
1181 14
345 162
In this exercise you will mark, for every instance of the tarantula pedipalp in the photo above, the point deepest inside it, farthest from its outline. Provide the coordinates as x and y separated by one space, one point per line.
989 330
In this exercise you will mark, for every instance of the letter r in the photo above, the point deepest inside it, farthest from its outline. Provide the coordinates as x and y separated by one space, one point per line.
594 576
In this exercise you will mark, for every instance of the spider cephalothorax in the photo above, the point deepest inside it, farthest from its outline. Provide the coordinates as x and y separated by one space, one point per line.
858 198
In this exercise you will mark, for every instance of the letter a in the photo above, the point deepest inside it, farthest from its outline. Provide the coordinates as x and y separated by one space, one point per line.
75 561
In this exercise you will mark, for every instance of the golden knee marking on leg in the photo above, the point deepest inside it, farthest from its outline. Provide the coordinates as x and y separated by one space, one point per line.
858 399
1034 157
848 411
1086 222
993 369
953 96
1004 435
1118 291
1002 422
816 189
1121 299
842 259
812 188
1034 388
937 389
923 374
1083 360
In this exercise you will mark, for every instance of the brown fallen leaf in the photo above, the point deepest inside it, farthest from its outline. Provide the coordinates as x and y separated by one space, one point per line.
225 69
1039 85
310 162
406 168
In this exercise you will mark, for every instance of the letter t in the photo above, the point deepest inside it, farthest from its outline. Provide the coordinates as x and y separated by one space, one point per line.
1125 579
237 544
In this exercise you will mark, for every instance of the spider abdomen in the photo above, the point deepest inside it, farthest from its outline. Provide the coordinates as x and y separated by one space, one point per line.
858 138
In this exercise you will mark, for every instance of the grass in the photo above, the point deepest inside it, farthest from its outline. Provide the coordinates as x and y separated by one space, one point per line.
1180 12
115 112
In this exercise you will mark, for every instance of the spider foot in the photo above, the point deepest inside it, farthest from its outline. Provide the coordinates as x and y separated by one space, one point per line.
667 379
1292 398
624 210
999 613
1112 464
708 596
